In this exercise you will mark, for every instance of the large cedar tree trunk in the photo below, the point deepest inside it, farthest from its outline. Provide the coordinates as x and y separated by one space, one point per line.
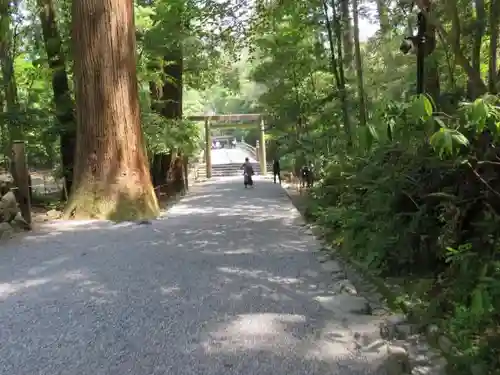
111 171
62 96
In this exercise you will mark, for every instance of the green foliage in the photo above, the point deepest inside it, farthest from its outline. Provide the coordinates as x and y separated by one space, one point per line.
415 197
163 136
160 27
404 213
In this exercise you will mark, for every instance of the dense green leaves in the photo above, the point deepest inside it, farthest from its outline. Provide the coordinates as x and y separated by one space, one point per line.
420 178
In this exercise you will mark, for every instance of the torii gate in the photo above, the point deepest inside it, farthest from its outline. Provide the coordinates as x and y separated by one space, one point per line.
232 121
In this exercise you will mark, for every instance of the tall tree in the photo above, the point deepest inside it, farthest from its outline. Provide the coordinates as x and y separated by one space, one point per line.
112 179
172 109
493 29
383 16
167 168
478 34
359 64
62 97
7 52
346 32
334 30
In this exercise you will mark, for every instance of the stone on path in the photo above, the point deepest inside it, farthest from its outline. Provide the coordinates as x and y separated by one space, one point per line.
6 231
8 207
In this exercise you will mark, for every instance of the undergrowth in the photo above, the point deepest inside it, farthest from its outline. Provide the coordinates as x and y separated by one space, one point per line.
426 215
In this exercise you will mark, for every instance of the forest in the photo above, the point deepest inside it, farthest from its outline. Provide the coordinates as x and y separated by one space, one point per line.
408 183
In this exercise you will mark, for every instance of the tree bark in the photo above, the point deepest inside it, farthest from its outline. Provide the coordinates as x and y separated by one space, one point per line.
337 65
62 97
159 163
477 40
432 83
493 47
346 33
9 79
7 54
331 44
342 87
383 16
172 109
359 65
111 171
477 87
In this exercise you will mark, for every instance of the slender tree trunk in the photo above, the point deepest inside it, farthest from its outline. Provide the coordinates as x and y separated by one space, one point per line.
477 86
493 25
7 53
383 16
342 87
432 83
331 43
338 67
160 163
60 86
111 172
480 25
346 33
359 65
172 110
9 79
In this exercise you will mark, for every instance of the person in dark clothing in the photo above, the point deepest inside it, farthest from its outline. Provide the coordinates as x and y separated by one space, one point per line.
307 176
304 175
277 170
310 178
247 173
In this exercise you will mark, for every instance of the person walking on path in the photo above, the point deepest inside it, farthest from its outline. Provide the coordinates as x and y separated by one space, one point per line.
247 173
276 170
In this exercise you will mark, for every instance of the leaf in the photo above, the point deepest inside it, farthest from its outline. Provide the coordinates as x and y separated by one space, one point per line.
459 138
373 131
421 107
477 303
444 140
366 139
431 102
438 141
440 122
390 128
479 114
427 106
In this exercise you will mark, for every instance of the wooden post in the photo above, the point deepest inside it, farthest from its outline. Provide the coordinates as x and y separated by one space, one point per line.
21 176
208 148
262 151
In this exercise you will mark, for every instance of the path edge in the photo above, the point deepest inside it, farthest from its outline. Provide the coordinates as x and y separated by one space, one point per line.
378 289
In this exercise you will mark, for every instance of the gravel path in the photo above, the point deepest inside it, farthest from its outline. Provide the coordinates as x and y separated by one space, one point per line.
226 283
